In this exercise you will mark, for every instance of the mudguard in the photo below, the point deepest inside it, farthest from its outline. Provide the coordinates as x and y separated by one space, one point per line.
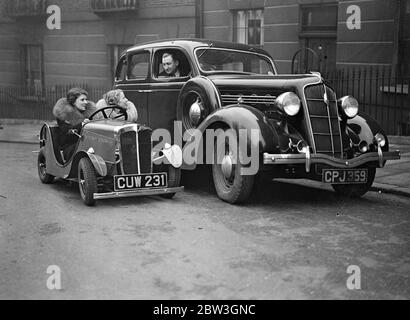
98 163
365 127
245 117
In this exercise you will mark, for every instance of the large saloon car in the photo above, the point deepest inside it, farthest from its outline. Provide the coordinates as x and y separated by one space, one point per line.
304 129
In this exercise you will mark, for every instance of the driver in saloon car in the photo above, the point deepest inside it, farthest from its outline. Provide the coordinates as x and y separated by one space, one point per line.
171 66
72 113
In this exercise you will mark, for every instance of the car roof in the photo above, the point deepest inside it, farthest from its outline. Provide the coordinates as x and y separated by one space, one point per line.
191 43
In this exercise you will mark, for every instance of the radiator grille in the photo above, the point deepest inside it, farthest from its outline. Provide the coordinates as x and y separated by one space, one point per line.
324 119
136 148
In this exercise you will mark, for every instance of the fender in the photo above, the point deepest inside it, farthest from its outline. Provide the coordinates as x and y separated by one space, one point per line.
239 117
98 163
365 127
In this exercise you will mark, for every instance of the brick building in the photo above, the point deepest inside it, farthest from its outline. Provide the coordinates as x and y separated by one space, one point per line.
92 34
329 27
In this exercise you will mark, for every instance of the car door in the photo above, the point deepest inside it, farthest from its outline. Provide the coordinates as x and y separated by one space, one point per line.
163 97
135 67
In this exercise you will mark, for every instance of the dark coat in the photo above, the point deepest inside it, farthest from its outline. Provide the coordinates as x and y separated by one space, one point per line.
68 118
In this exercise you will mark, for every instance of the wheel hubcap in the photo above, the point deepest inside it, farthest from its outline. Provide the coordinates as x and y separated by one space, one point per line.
227 166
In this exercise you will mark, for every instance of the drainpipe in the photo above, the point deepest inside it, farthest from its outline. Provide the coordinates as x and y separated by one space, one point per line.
199 18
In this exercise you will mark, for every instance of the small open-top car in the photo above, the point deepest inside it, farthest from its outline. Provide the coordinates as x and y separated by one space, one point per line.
113 158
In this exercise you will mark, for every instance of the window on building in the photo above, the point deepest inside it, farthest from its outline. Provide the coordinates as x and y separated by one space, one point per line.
138 66
32 69
319 18
248 27
115 51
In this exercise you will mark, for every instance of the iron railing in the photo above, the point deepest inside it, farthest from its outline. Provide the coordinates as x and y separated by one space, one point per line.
102 6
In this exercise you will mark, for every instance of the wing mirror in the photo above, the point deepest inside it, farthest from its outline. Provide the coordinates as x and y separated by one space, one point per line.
173 154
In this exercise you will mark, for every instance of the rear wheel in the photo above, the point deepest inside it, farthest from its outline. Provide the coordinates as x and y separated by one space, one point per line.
230 185
42 168
87 181
356 190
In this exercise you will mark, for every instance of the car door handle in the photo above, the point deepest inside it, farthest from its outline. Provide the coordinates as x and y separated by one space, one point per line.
145 91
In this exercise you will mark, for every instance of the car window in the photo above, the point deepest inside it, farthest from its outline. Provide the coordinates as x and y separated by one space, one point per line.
121 69
184 67
222 60
138 66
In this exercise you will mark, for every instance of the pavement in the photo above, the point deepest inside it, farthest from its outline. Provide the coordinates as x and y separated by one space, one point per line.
394 178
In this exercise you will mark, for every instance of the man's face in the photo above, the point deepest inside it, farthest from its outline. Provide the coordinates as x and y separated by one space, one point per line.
170 65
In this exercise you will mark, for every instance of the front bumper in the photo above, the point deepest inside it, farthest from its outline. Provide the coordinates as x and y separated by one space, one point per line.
309 159
136 193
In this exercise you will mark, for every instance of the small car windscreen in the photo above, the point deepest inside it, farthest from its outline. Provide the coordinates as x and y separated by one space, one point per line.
223 60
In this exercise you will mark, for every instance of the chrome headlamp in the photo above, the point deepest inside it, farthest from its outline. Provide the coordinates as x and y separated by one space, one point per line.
350 106
289 102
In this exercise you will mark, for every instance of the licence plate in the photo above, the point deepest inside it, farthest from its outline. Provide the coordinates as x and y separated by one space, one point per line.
140 181
345 176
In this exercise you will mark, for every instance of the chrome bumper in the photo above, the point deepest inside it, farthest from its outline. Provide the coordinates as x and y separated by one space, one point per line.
136 193
309 159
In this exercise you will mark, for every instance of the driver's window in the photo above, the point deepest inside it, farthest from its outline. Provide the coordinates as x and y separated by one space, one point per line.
170 64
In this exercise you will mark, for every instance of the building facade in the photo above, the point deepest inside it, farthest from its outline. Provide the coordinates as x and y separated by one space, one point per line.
313 34
92 34
340 34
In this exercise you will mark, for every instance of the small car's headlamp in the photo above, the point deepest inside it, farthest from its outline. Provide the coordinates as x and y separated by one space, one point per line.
380 139
289 102
350 106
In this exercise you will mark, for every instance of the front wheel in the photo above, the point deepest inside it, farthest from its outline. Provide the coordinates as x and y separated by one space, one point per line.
42 168
87 181
356 190
174 180
230 184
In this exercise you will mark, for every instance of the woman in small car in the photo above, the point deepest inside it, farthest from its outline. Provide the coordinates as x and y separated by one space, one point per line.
72 113
117 98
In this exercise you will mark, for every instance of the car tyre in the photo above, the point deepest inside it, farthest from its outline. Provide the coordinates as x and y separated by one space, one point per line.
236 188
356 190
42 168
174 180
87 181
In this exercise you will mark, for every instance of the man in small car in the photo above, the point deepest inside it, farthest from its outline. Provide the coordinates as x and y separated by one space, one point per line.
171 66
117 98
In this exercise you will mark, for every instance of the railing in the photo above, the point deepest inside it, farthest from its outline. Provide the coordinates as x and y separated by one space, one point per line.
21 103
25 8
102 6
383 93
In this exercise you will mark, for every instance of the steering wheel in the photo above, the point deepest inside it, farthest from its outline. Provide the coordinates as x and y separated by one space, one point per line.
112 114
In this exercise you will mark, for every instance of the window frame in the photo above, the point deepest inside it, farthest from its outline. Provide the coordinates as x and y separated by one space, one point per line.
156 61
236 27
129 57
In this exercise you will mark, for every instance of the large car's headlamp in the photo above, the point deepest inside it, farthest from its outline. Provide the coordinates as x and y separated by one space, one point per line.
350 106
289 102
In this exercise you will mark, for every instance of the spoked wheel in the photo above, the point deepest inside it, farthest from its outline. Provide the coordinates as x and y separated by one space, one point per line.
356 190
87 181
42 168
230 185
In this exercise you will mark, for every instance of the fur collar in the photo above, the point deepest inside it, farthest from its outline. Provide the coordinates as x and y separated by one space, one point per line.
70 114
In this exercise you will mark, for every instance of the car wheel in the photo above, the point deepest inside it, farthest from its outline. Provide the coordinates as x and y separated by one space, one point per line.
174 180
356 190
230 185
87 181
42 168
